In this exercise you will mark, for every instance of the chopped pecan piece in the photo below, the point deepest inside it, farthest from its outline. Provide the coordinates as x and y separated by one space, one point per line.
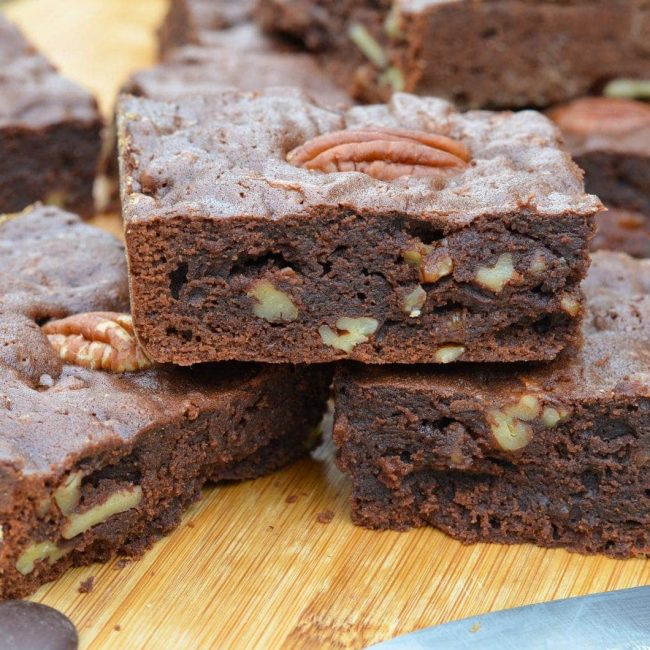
601 115
383 153
97 340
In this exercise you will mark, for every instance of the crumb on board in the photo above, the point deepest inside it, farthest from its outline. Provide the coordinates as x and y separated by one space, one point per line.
325 517
292 498
190 524
122 562
117 628
87 585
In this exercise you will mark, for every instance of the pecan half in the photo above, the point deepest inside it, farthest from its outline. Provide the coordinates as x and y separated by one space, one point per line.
97 340
383 153
601 115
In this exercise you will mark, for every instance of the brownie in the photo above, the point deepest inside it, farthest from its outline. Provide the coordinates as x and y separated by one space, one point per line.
196 70
100 450
490 54
457 236
49 131
554 454
195 21
623 230
610 139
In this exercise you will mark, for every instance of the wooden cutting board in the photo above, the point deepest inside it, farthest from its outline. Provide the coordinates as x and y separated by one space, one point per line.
250 567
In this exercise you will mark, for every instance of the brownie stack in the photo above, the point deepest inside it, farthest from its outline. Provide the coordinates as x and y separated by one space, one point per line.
396 239
491 378
460 237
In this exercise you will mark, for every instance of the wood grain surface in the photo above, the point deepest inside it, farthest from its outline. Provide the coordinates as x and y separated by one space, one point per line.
249 567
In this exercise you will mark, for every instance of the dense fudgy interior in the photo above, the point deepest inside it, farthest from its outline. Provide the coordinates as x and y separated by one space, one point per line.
194 287
258 430
491 49
55 164
429 460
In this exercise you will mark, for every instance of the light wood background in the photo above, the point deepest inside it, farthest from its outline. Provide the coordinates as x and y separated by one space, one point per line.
247 569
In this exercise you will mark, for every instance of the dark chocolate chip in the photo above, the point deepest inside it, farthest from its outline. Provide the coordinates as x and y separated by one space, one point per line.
31 626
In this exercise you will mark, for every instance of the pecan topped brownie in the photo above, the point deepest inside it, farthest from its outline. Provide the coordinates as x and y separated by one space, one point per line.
101 450
555 454
49 131
264 227
488 53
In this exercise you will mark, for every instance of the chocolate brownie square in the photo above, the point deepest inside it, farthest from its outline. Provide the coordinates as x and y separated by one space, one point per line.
194 21
491 54
101 450
610 139
556 454
264 227
49 131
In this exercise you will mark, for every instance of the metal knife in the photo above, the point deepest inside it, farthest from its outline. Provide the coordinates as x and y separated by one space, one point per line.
615 620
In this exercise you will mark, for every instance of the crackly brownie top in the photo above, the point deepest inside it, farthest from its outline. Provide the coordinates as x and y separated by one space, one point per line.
53 266
226 156
195 70
615 358
33 93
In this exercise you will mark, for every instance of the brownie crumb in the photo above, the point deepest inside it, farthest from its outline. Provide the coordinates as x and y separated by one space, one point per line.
122 563
87 585
325 517
118 628
292 498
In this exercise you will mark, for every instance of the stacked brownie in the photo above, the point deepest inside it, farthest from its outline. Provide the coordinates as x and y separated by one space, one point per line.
265 227
434 262
49 131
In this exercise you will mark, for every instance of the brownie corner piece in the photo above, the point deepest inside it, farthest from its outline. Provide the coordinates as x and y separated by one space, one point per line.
443 236
50 131
554 454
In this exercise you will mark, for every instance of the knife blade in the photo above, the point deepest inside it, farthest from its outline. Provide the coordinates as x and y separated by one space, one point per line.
615 620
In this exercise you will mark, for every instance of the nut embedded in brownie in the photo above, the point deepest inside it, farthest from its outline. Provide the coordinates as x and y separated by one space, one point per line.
554 454
492 54
264 227
101 451
49 131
